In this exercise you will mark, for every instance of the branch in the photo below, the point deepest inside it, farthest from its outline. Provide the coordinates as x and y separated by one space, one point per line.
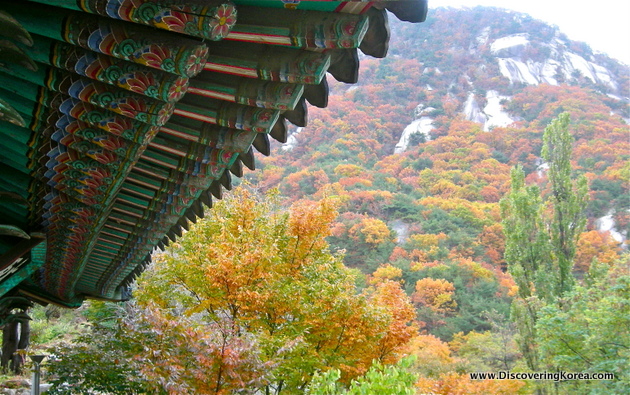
575 352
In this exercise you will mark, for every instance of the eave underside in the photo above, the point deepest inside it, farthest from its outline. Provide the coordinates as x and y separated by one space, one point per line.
130 119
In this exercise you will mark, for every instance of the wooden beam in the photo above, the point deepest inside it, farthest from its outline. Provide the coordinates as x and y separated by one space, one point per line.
205 16
299 115
317 95
72 27
376 40
19 250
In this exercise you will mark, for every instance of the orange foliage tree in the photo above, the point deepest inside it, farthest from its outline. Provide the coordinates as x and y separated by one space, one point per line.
435 294
595 245
371 231
385 273
266 277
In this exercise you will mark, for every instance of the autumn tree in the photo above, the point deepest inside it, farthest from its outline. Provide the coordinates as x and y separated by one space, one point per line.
389 293
250 300
490 350
439 371
435 294
595 245
433 356
252 271
385 273
541 234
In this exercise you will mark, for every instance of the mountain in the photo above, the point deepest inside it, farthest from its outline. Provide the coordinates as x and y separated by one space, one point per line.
494 52
420 151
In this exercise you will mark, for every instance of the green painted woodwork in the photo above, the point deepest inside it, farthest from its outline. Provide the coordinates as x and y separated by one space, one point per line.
12 178
12 215
188 166
142 179
61 180
299 28
305 5
11 53
13 198
248 91
98 165
36 260
131 42
45 21
156 236
212 20
17 86
231 115
224 139
305 28
17 133
32 288
267 62
9 114
89 118
15 158
134 77
40 48
120 101
12 29
139 250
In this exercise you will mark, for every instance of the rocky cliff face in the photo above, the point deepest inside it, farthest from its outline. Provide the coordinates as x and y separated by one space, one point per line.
494 55
560 66
420 128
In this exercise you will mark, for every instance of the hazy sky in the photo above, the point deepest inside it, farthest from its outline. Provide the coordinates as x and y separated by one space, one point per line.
603 24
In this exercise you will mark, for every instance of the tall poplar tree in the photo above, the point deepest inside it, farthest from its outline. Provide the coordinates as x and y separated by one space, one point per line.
527 252
541 234
568 200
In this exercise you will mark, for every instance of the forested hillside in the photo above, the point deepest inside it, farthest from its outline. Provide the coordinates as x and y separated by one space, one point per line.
421 151
449 174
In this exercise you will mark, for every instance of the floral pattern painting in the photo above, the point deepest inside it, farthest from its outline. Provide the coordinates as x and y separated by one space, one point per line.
212 22
185 57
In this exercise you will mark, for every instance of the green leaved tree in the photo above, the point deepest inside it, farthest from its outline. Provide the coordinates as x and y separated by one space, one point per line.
568 201
541 233
589 332
384 380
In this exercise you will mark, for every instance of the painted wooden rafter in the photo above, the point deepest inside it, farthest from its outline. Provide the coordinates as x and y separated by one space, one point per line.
110 183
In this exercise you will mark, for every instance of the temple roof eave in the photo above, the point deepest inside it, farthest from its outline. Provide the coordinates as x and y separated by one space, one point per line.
122 125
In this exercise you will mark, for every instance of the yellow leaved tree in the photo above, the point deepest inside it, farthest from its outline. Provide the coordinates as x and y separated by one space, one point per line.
275 299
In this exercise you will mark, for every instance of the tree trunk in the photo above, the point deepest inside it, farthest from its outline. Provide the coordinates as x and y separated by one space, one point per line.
10 338
25 340
15 336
